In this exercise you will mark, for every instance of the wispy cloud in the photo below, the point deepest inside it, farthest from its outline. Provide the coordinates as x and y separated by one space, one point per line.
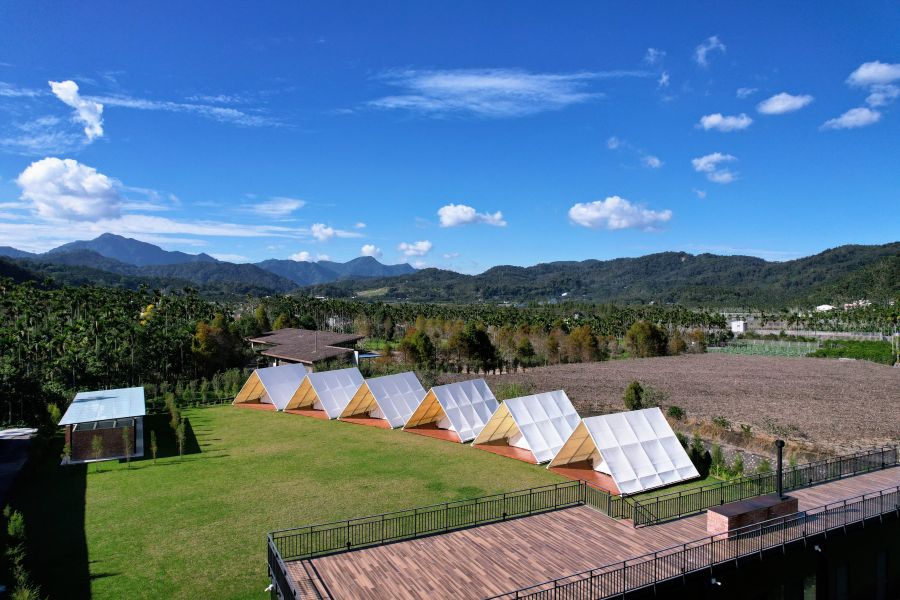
724 123
323 233
701 52
490 93
41 136
654 56
711 166
277 206
221 114
745 92
646 159
8 90
617 213
783 103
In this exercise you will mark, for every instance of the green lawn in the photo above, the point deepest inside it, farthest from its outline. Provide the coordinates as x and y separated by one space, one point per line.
195 527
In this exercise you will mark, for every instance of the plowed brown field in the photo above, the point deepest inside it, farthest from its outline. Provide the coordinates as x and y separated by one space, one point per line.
835 405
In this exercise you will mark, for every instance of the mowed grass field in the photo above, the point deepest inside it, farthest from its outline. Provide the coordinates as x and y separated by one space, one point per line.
195 527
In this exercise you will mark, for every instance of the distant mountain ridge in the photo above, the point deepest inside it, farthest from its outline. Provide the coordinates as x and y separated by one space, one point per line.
133 258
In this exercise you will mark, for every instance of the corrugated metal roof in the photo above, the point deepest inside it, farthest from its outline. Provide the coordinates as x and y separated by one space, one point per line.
102 405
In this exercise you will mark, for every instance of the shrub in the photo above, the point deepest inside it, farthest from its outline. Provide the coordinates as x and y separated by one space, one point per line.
675 412
54 413
634 396
717 462
746 430
15 526
764 467
737 465
722 423
682 439
654 396
126 445
179 435
153 447
505 391
700 456
97 446
644 339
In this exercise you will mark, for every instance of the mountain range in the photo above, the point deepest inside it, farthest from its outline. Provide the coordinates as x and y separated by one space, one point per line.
845 273
131 258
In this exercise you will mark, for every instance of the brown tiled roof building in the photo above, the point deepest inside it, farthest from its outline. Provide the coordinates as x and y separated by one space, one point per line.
305 346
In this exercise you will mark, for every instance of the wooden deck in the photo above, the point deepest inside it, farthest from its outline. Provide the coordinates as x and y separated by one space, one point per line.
308 412
504 449
493 559
433 431
583 471
364 420
256 405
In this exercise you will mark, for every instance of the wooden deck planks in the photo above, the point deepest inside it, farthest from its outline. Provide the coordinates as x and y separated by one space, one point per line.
493 559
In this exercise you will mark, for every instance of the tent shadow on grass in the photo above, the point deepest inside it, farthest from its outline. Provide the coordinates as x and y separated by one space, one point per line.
51 498
166 441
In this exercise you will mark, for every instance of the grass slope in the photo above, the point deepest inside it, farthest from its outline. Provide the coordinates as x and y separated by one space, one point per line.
195 527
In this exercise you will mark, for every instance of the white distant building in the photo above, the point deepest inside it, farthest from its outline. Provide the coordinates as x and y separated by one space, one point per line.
824 308
739 326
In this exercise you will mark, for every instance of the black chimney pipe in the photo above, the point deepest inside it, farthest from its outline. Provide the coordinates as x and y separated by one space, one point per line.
779 444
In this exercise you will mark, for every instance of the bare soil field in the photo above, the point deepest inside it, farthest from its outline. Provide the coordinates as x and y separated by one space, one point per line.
831 405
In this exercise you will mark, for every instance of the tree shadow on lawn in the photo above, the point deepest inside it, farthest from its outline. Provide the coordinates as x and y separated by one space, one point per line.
51 497
166 440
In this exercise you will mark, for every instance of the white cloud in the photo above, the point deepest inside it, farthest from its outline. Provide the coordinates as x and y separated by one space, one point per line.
651 161
323 233
745 92
420 264
700 193
67 189
277 206
701 52
490 93
711 166
42 136
304 256
370 250
882 95
88 112
874 73
853 118
359 225
420 248
617 213
654 56
450 255
10 91
663 80
613 142
233 258
722 122
783 103
454 215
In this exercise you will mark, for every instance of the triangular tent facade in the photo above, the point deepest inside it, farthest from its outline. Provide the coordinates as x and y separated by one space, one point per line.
271 385
461 408
391 398
326 391
537 425
637 449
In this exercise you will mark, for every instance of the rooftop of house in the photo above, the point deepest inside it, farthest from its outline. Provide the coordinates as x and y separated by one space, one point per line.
305 345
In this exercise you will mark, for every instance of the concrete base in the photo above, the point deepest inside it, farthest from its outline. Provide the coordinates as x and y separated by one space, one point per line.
725 518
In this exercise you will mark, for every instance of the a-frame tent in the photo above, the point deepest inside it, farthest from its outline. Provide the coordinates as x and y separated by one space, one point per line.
271 387
385 401
530 428
325 394
455 412
627 452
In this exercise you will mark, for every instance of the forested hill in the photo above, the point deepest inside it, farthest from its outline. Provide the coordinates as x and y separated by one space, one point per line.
845 273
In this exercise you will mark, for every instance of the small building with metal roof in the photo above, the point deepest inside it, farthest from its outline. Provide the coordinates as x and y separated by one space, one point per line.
114 417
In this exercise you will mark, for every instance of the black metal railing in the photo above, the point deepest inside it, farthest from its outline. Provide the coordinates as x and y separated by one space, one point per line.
278 573
619 578
678 504
352 534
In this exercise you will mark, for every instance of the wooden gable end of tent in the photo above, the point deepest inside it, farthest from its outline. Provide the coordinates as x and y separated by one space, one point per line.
428 411
362 403
579 447
304 397
500 426
252 390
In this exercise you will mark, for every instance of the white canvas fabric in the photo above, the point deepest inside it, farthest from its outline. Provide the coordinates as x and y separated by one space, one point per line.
467 405
397 397
335 389
540 422
639 450
280 383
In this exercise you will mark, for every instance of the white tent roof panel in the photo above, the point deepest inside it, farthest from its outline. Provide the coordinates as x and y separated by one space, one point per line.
281 382
468 406
335 389
105 405
640 450
397 396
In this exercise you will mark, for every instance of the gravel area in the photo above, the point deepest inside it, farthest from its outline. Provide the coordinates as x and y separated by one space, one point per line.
835 405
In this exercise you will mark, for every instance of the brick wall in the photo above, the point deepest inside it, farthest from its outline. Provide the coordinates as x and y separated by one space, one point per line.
112 442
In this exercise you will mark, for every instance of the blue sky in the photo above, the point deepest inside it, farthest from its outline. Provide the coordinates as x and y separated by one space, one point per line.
459 135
